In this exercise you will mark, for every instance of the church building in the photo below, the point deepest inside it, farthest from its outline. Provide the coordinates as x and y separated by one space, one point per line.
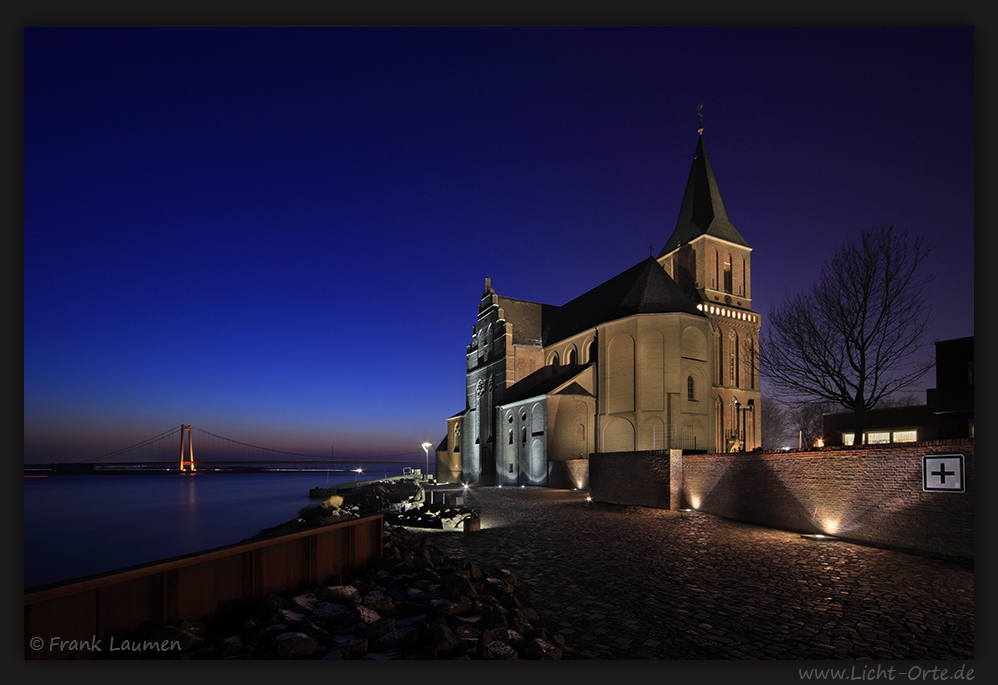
662 356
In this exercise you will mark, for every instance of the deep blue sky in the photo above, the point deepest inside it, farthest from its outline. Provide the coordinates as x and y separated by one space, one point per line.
281 235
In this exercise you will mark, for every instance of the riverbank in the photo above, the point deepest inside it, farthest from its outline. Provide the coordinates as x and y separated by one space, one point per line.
621 582
413 602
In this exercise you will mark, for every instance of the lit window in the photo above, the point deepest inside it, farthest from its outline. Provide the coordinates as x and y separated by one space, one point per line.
906 436
878 438
847 438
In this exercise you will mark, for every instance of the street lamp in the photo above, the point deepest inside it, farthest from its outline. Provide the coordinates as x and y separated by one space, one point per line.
741 411
426 448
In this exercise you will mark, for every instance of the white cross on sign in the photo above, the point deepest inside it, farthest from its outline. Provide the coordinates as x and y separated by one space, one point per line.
942 473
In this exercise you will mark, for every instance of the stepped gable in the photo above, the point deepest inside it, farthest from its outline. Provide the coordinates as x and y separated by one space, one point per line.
702 211
645 288
525 317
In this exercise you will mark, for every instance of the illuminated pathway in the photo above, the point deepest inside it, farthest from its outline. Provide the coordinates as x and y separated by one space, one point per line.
639 583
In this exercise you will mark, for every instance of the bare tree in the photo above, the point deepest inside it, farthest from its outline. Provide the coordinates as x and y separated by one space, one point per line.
776 428
852 340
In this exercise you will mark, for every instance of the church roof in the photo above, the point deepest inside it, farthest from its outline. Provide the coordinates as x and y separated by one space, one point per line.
542 382
645 288
702 211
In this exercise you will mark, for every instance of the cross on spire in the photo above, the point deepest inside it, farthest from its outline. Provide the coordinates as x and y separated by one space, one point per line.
700 114
651 251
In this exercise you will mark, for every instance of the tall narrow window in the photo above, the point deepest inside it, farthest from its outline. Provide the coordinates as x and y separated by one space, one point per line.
727 272
733 359
690 388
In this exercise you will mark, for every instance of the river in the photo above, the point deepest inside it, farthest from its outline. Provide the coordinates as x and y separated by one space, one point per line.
76 526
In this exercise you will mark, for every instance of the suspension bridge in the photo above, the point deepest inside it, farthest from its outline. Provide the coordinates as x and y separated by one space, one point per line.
188 449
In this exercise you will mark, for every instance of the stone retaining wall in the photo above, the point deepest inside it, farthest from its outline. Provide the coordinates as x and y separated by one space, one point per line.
873 494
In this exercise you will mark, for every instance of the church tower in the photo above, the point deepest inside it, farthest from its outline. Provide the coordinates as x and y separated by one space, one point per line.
711 262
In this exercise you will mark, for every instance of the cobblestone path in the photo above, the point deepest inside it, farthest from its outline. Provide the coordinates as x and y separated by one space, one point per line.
626 582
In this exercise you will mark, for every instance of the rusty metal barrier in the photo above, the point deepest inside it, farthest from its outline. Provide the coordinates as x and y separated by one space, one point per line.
61 620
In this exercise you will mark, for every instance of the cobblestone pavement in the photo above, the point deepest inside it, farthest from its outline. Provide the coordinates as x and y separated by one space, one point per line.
622 582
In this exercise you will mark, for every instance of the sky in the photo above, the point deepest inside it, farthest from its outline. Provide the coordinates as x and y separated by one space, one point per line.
281 235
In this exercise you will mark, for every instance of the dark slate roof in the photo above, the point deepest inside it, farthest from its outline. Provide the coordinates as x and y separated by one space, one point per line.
541 382
645 288
702 212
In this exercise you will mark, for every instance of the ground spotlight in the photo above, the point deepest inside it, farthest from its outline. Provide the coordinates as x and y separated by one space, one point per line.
821 537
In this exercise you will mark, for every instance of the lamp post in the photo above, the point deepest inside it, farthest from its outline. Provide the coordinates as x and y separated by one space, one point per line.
738 429
740 411
426 448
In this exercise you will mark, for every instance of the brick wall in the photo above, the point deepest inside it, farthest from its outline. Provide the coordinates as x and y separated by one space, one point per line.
873 494
640 478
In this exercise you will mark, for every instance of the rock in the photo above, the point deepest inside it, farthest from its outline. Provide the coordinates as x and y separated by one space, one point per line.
351 646
384 656
366 615
187 640
293 645
497 649
421 605
230 645
400 638
341 594
286 617
444 640
378 628
456 585
377 601
541 649
328 612
303 603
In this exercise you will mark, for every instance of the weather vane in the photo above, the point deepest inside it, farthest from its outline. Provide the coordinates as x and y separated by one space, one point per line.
700 114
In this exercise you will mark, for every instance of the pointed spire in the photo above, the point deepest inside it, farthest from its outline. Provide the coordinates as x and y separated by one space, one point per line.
702 211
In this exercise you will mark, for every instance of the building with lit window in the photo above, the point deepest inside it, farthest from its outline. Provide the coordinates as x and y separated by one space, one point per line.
948 411
661 356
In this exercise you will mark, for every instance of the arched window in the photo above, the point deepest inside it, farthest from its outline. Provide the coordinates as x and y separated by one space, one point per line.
592 352
554 359
733 358
690 389
573 357
718 356
727 272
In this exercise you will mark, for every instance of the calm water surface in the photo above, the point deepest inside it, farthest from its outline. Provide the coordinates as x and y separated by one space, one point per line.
79 525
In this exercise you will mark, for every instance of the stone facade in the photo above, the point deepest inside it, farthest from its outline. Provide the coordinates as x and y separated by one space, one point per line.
662 356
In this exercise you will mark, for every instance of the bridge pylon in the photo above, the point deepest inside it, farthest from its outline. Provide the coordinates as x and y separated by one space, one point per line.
190 445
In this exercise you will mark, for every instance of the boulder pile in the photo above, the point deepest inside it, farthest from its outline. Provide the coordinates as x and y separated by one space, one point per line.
412 603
